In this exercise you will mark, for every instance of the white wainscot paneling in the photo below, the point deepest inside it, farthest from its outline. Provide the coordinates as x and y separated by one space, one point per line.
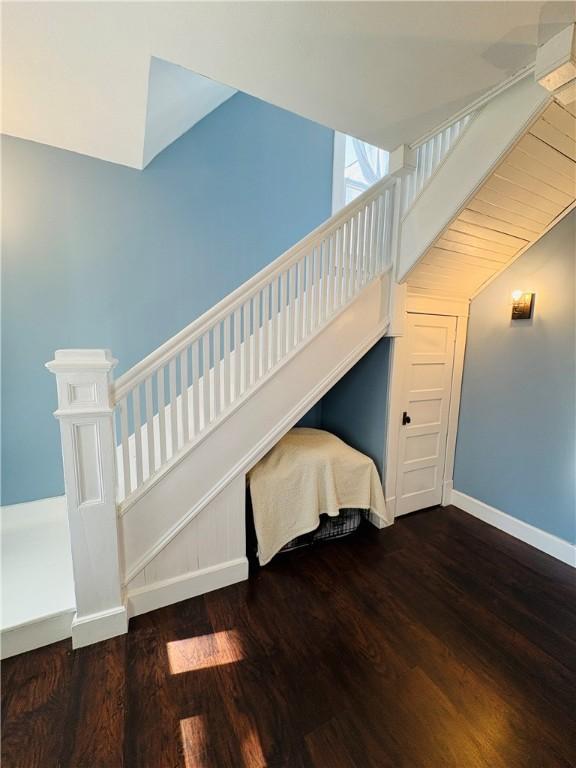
208 553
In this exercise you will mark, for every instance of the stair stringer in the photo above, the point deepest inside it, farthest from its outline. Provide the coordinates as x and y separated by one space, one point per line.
199 504
493 133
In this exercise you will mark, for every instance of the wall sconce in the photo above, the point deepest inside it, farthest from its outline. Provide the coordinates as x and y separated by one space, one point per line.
522 305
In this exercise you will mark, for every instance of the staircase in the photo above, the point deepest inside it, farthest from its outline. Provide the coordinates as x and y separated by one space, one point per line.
155 462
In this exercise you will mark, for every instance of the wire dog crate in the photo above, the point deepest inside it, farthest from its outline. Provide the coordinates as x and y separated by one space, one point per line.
330 528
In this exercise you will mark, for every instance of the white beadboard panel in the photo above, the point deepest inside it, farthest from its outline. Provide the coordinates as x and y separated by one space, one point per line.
214 537
555 138
503 214
458 236
561 119
542 173
516 207
545 155
530 189
179 556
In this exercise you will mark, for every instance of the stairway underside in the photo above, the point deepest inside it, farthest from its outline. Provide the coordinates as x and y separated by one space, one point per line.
185 533
529 191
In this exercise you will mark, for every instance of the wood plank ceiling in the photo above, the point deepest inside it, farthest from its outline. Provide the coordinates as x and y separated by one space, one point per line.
533 186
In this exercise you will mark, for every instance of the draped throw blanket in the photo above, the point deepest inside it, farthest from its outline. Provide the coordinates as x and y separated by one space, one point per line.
309 472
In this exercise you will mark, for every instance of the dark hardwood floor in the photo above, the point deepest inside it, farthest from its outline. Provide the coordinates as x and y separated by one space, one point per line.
437 643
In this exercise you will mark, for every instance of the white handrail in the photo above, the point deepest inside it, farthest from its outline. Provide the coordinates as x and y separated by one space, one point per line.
219 311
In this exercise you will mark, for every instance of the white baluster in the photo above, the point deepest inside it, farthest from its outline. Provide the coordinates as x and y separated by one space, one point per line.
227 353
217 394
196 386
124 442
205 397
173 405
257 330
184 396
329 295
137 415
150 426
237 354
282 315
246 346
265 330
161 414
310 292
318 285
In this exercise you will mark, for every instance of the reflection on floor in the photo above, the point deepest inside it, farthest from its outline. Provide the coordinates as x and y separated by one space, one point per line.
437 643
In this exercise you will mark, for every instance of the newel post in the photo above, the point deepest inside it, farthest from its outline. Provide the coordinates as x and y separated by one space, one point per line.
85 414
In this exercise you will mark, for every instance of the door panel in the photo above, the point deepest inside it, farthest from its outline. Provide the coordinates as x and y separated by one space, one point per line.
428 379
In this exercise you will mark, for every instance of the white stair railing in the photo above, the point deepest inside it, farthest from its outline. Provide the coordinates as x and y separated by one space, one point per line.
171 399
430 153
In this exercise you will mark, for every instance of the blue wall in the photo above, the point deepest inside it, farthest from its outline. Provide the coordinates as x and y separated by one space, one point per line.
355 408
516 438
99 255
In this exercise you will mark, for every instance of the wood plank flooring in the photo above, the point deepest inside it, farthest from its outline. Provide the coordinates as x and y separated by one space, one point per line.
437 643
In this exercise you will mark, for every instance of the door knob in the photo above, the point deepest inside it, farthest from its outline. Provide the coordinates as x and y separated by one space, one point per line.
405 419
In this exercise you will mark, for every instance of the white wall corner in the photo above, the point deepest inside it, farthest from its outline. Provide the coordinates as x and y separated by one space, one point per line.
546 542
99 626
402 161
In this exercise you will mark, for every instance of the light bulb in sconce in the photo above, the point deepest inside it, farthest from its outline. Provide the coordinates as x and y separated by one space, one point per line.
522 305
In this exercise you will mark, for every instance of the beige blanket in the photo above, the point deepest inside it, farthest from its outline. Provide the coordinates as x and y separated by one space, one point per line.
308 473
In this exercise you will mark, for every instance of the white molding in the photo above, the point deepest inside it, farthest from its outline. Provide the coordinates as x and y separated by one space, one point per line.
99 626
260 449
395 399
398 298
430 306
454 408
447 487
477 104
377 521
437 305
338 170
35 634
187 585
546 542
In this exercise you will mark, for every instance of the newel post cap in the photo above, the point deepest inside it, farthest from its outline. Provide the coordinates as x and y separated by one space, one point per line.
68 360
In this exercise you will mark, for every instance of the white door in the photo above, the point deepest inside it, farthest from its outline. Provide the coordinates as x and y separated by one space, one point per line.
428 364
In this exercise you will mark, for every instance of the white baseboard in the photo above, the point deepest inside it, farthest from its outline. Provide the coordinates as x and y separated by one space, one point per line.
546 542
192 584
377 522
447 488
34 634
99 626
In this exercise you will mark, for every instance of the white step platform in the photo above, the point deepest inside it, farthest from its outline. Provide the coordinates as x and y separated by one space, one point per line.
37 583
